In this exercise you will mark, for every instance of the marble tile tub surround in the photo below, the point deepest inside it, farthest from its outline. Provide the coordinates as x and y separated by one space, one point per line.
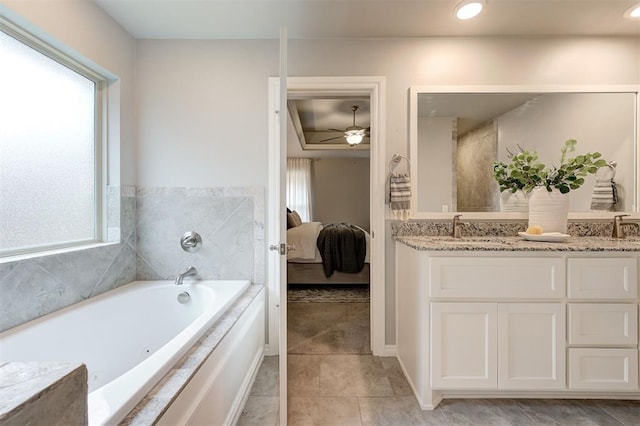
229 220
499 228
31 288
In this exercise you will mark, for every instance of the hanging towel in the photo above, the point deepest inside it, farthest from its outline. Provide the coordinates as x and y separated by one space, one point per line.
605 195
605 192
400 195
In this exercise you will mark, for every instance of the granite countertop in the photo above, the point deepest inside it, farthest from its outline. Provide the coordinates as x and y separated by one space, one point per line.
488 243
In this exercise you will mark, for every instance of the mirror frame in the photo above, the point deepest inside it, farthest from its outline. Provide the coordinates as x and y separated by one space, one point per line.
414 91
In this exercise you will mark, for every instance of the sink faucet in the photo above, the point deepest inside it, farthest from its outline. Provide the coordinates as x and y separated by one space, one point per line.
618 226
456 225
189 272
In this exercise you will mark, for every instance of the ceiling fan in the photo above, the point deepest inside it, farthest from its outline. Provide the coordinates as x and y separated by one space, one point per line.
353 134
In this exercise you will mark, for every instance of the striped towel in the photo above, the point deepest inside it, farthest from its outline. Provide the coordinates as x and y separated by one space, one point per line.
605 195
400 195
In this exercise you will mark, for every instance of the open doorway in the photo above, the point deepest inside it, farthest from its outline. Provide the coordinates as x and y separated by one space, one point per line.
328 229
374 89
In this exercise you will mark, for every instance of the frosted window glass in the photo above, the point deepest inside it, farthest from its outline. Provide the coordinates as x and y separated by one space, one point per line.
47 150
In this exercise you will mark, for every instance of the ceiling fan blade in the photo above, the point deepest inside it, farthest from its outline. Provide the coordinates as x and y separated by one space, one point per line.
330 139
337 130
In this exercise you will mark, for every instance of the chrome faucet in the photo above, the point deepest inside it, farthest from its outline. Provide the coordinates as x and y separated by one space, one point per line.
456 225
618 226
189 272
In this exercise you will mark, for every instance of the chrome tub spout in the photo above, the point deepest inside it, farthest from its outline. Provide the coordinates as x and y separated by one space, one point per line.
189 272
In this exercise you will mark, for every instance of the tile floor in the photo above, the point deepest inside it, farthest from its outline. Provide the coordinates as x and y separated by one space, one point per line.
334 380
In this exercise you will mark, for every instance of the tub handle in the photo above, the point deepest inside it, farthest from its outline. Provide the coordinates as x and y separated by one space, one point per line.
184 297
191 242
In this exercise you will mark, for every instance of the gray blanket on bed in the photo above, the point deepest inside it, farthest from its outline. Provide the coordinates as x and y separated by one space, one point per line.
343 248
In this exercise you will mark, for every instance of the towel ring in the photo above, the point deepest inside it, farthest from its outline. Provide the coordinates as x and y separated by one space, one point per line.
395 160
611 167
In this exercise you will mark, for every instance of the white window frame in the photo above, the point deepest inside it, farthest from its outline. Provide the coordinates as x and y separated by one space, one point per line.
100 143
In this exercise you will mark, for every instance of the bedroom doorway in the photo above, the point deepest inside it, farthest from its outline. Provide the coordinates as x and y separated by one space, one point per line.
328 205
343 87
374 89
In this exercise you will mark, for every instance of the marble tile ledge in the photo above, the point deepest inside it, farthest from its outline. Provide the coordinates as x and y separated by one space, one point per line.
43 392
155 404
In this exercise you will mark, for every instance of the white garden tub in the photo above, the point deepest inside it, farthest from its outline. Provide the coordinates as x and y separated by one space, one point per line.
129 338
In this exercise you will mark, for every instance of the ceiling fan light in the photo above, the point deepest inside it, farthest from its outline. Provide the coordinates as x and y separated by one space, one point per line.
468 9
633 12
354 137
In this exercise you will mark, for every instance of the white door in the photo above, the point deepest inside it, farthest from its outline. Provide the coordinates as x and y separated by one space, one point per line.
276 230
463 345
531 346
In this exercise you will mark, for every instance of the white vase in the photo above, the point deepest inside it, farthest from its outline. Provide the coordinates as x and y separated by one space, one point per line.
549 209
514 201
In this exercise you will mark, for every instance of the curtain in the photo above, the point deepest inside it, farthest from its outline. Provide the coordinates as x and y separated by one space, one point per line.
299 187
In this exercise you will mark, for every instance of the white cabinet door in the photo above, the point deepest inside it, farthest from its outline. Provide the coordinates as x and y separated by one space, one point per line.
463 345
497 277
531 346
603 369
602 278
603 324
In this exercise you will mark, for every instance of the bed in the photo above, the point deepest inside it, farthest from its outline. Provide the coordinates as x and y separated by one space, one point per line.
305 263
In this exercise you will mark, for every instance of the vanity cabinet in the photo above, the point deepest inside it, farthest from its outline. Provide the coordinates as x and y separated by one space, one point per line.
497 345
537 323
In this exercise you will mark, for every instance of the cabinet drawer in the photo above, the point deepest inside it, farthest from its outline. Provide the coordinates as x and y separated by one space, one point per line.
603 324
602 278
501 277
603 369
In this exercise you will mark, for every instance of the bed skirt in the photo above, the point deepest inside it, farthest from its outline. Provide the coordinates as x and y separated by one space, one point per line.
312 273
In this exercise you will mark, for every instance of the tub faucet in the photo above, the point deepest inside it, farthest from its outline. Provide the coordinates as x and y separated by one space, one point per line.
189 272
456 225
618 226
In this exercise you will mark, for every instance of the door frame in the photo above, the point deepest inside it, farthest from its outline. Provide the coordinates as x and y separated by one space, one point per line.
374 87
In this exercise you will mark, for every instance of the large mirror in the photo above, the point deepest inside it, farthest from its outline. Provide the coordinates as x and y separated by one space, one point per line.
456 134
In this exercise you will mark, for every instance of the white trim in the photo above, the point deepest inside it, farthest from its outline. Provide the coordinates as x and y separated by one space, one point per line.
374 87
390 350
413 144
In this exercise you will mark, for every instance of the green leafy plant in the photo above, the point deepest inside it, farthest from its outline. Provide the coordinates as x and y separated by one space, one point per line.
525 171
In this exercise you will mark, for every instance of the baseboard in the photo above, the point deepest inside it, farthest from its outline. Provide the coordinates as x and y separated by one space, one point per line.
245 389
390 350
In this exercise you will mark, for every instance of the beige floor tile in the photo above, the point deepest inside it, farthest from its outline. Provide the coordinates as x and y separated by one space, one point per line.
353 375
566 412
260 411
326 411
303 375
626 412
494 412
328 328
396 411
267 382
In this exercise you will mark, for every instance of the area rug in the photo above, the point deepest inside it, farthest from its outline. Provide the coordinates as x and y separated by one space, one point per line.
328 293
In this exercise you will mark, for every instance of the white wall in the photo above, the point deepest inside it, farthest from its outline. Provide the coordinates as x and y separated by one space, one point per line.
341 190
202 112
599 122
84 28
435 164
202 104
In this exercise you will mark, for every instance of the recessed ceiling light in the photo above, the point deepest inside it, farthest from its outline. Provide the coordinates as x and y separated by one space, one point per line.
633 12
468 9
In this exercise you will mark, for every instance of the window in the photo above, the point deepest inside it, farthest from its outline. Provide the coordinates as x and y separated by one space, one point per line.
50 147
299 187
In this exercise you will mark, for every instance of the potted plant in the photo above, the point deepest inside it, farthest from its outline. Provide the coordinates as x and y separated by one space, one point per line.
517 179
547 186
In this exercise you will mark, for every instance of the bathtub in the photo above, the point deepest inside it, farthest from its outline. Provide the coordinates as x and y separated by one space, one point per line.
129 338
